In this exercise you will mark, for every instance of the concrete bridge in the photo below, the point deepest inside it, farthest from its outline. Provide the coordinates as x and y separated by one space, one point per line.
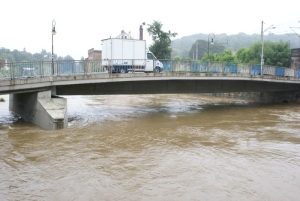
35 95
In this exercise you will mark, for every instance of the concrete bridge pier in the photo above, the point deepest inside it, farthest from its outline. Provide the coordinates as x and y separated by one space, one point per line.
48 112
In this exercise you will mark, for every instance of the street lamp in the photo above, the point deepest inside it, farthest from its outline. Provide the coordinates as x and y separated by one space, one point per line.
52 55
210 40
262 45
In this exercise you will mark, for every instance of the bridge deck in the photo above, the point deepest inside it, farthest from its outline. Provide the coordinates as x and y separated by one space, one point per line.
23 77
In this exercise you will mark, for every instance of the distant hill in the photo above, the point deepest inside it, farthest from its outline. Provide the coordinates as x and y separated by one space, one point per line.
182 46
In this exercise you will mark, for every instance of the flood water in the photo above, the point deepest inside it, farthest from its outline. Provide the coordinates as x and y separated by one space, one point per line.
154 147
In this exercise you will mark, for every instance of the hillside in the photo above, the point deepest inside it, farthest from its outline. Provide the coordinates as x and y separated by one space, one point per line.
182 46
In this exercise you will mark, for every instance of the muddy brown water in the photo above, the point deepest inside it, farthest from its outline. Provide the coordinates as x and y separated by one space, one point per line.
154 147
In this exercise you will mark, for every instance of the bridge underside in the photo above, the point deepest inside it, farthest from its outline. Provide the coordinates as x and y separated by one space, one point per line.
175 86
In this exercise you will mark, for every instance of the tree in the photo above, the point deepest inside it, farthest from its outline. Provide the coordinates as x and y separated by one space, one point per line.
227 57
275 54
161 47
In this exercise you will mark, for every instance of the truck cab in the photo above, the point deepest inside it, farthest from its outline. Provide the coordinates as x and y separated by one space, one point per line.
152 63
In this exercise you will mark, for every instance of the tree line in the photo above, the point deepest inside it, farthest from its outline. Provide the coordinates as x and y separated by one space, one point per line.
181 46
275 53
24 56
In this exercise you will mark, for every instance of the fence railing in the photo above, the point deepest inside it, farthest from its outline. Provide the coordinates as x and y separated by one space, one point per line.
230 69
23 70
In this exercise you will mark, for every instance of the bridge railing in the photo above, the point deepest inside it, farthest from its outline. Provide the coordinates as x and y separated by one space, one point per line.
78 67
24 70
230 69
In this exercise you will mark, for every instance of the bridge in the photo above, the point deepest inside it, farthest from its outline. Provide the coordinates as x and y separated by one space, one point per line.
35 92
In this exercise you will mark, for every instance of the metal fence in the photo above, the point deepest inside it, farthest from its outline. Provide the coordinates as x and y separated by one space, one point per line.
23 70
230 69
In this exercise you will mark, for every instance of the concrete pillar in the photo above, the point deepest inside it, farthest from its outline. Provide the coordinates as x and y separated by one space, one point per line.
40 108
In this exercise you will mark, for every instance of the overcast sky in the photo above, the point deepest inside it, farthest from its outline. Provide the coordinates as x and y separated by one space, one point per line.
81 24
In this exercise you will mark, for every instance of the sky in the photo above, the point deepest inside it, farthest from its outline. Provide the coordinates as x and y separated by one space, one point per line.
82 24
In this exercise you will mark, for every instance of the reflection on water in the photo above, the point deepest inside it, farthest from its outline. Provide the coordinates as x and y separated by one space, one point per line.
154 147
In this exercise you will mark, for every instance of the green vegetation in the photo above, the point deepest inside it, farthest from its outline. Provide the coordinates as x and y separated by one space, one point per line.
225 57
162 40
23 56
181 47
275 54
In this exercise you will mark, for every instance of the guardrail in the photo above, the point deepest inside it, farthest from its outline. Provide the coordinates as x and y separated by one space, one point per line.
24 70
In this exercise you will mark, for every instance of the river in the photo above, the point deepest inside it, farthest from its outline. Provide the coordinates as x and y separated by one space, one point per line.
154 148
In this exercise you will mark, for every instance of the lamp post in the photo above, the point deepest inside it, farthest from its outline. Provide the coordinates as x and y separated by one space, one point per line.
262 45
210 40
52 55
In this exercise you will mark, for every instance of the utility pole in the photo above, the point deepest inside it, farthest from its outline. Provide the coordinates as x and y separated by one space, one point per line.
262 45
52 53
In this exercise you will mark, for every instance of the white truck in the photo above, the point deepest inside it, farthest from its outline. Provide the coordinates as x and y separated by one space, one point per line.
124 54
